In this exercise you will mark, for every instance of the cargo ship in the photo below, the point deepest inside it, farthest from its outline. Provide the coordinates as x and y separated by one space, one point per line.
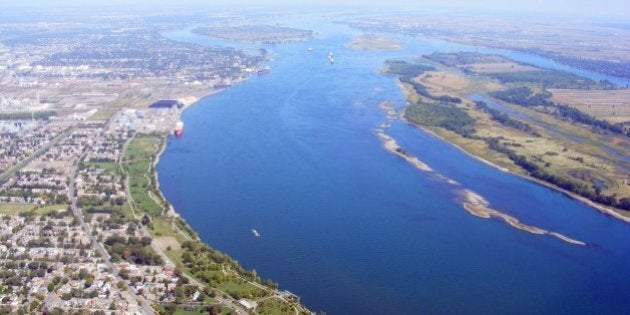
179 129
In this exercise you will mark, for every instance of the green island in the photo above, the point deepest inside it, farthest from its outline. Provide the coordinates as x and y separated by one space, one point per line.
518 126
258 34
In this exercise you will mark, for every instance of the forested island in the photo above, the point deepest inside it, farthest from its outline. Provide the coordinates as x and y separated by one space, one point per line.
259 34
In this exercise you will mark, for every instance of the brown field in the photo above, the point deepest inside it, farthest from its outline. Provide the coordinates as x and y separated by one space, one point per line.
612 105
444 81
498 67
164 242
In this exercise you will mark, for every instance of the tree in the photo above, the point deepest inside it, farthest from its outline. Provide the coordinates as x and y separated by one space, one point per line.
170 308
145 220
145 241
121 285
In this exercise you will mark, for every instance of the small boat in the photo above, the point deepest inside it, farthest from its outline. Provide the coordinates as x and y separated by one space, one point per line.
256 234
310 49
264 71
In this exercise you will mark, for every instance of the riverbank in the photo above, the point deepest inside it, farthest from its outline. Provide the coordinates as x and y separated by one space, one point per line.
472 202
598 207
185 249
331 202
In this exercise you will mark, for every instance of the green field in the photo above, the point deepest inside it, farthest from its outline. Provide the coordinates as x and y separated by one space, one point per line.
273 306
163 227
138 162
240 289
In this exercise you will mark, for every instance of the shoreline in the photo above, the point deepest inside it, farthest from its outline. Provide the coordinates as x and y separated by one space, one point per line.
602 209
471 201
170 211
480 207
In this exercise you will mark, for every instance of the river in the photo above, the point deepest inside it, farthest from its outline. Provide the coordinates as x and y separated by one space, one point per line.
354 229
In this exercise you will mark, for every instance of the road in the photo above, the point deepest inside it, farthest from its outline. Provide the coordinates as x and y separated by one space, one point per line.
167 261
132 297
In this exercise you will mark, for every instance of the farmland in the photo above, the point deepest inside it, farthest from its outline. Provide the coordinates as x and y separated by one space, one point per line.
497 67
613 106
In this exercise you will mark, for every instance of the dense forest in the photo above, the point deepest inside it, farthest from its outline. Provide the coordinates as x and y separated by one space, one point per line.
523 96
406 71
441 114
132 249
575 115
551 79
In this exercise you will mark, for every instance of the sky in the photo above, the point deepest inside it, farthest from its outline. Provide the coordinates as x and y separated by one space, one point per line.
556 7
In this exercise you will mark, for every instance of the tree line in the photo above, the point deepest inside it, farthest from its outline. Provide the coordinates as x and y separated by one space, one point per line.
524 96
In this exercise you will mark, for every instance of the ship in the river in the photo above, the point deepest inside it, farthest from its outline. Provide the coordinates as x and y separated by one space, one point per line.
264 71
179 129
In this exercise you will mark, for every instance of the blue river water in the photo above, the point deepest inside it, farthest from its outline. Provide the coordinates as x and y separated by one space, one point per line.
353 229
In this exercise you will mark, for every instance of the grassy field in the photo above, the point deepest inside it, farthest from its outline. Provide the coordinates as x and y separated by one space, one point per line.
441 81
241 289
139 157
162 227
273 306
612 105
